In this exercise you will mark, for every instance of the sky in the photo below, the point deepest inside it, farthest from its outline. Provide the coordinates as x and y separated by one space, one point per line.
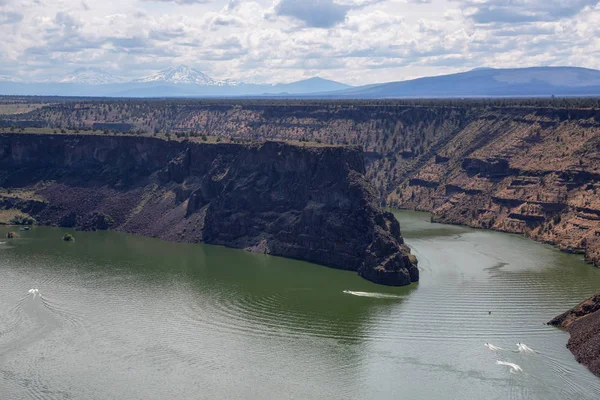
269 41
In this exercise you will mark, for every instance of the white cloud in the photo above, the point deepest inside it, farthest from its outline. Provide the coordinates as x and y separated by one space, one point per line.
181 2
10 17
356 41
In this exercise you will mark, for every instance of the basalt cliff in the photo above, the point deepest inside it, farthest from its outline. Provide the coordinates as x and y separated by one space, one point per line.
529 166
310 203
583 323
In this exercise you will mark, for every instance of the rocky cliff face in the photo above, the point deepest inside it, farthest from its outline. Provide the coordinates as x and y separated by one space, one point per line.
308 203
535 172
583 323
526 166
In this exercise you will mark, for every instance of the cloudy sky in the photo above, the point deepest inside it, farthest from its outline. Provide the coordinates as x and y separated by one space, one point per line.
354 41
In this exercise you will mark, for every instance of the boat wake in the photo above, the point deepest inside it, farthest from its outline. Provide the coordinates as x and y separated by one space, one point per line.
34 321
492 347
374 295
513 367
523 348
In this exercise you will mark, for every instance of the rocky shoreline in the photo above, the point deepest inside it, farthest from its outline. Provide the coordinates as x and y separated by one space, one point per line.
310 203
583 324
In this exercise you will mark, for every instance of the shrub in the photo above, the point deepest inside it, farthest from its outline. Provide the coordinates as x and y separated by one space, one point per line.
556 219
21 219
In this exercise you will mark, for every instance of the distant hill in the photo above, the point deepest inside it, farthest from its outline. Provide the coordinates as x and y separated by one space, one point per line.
312 85
485 82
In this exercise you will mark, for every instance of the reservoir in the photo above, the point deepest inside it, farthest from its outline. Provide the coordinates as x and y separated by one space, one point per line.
118 316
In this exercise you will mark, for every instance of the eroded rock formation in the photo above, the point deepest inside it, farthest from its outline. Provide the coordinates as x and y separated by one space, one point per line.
529 171
310 203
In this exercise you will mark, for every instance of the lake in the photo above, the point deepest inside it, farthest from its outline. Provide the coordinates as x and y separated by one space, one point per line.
126 317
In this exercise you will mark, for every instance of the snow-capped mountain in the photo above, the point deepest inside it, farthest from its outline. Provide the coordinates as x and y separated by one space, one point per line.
180 81
181 75
90 76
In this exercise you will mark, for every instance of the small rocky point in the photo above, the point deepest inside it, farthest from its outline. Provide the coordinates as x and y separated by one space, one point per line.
583 324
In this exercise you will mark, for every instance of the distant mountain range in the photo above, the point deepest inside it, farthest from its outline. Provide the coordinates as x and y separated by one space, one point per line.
184 81
181 81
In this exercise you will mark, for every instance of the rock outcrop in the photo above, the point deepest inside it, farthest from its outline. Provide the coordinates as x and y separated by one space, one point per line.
583 324
310 203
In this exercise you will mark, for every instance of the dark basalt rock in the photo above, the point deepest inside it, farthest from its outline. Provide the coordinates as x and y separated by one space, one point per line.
583 324
310 203
492 167
95 221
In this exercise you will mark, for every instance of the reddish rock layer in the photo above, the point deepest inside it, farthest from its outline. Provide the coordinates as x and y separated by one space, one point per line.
538 174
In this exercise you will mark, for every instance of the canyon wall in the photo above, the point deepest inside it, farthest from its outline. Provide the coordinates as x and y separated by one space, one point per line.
522 166
519 167
310 203
535 172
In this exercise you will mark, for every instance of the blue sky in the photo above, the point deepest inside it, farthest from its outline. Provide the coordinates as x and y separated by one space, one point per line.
266 41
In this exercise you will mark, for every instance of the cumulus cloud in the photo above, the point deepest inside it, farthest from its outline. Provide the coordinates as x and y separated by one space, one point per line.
314 13
519 11
320 13
166 34
356 41
180 2
10 17
66 21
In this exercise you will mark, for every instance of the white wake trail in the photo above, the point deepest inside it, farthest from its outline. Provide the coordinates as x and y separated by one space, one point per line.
492 347
373 295
513 367
523 348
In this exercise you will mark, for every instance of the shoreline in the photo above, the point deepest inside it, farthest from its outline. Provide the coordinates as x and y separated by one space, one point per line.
582 322
523 234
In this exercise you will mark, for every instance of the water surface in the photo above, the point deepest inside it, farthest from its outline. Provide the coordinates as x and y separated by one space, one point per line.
126 317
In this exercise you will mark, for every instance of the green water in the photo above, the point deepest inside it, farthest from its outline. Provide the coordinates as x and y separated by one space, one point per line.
126 317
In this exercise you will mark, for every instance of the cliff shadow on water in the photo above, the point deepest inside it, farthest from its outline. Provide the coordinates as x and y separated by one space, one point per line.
311 203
